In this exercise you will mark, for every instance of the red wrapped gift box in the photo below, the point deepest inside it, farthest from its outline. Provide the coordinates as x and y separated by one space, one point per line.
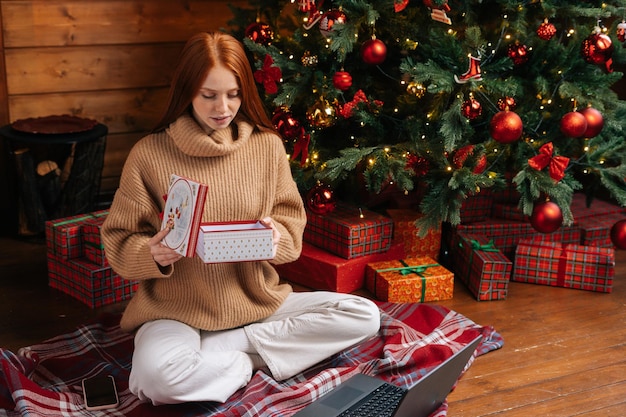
508 211
588 268
482 267
405 232
63 236
322 270
596 231
349 231
596 208
476 208
91 284
409 280
92 243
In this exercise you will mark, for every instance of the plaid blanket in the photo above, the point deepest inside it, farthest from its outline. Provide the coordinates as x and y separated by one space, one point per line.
45 379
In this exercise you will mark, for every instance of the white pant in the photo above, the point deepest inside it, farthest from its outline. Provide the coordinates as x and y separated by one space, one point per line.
175 363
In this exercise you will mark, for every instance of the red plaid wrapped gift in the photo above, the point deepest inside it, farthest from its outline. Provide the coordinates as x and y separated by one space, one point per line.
405 232
588 268
481 266
508 211
596 231
349 231
476 208
409 280
91 284
322 270
63 236
581 209
507 233
92 243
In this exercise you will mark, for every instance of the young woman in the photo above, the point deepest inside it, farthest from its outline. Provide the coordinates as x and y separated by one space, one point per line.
201 330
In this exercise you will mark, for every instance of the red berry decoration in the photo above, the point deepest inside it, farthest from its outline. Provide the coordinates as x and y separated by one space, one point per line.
321 199
342 80
618 234
373 52
518 53
595 122
547 217
260 33
597 48
471 108
573 124
546 30
506 127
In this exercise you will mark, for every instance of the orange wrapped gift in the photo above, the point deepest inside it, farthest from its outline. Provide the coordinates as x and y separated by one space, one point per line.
409 280
404 231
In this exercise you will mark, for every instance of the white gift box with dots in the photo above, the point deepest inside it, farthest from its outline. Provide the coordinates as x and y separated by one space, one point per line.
234 242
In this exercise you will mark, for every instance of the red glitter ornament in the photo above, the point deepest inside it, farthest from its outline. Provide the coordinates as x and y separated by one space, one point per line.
260 33
546 30
507 103
471 108
342 80
373 51
573 124
506 127
547 217
518 53
597 49
321 199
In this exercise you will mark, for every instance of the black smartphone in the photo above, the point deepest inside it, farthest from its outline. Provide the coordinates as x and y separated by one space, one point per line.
100 392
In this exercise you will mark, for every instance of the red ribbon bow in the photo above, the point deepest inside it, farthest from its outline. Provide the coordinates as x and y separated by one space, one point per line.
544 158
268 75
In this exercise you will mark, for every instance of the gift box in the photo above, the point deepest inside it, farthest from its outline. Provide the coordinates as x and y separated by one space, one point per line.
234 242
319 269
63 236
93 248
596 231
581 267
508 211
405 232
581 209
476 208
349 231
409 280
482 267
91 284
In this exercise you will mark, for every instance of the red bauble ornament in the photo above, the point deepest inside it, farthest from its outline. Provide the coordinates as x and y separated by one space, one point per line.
506 127
329 19
547 217
342 80
573 124
518 53
471 109
321 199
597 48
260 33
507 103
373 52
546 30
289 128
618 234
464 152
595 122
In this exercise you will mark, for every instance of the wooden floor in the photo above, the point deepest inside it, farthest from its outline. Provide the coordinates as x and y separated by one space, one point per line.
564 353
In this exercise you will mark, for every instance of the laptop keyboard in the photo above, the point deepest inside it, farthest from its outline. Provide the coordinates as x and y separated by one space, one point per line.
382 402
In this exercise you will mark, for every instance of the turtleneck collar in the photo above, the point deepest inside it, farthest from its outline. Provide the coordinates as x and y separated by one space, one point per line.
192 140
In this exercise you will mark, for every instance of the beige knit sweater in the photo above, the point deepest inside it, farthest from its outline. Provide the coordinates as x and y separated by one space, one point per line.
248 178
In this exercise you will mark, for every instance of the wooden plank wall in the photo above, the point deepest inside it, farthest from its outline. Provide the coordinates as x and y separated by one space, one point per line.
109 60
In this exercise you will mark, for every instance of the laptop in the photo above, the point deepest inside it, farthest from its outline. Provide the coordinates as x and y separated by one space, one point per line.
364 395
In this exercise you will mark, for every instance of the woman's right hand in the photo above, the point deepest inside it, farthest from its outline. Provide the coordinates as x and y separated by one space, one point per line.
161 254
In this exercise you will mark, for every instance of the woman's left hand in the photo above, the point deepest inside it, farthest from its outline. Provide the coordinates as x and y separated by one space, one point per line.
268 222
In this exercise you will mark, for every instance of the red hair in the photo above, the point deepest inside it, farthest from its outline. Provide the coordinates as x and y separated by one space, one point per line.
202 52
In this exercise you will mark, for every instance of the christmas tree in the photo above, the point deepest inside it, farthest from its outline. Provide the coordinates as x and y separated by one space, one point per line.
442 100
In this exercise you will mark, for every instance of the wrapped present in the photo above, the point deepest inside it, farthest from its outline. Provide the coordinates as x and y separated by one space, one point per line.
508 211
63 236
582 209
588 268
596 231
482 267
507 233
321 270
349 231
409 280
91 284
93 247
476 208
405 232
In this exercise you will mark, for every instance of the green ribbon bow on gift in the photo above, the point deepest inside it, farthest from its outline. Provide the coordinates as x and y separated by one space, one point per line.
407 269
476 245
